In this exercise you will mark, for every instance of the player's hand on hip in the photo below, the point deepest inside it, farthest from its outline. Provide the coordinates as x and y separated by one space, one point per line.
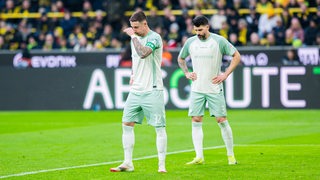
131 80
191 75
219 79
129 31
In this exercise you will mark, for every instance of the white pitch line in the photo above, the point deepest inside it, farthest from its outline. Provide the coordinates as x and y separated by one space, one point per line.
140 158
96 164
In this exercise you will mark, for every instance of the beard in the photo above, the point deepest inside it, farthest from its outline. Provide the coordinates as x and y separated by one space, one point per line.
202 37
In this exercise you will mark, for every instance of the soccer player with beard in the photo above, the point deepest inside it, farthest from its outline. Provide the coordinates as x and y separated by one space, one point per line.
206 50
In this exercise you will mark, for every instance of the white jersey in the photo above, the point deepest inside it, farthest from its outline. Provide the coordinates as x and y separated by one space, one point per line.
146 72
206 56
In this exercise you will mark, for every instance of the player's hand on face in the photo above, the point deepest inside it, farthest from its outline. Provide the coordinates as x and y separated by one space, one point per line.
219 79
129 31
191 75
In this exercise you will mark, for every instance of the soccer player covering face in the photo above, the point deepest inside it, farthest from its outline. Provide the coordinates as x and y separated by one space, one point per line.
206 50
146 98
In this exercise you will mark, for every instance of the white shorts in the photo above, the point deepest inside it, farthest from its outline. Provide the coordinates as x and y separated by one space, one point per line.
149 104
216 104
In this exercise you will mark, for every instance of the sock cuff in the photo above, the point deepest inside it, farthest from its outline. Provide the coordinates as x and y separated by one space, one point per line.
224 123
197 124
160 129
127 128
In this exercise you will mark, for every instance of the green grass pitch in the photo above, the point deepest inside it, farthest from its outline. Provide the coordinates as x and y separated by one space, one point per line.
269 144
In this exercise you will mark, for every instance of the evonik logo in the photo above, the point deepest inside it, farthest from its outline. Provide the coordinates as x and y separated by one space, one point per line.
44 61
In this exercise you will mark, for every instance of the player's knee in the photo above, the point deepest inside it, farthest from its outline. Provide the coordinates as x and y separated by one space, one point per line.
128 123
221 119
196 119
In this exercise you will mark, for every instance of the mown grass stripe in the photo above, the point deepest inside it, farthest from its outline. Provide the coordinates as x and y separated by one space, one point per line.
151 156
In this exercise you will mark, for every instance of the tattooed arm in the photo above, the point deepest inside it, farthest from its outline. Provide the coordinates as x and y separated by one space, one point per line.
183 65
143 51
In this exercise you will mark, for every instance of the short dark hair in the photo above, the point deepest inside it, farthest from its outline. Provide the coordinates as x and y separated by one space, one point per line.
200 20
138 16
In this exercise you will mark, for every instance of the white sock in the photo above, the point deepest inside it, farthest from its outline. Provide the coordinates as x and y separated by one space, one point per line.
197 138
161 145
227 137
128 143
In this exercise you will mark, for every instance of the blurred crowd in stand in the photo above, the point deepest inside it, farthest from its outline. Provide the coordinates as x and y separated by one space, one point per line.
262 25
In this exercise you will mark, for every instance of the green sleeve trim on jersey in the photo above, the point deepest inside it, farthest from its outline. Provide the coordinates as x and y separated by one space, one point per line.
226 47
184 53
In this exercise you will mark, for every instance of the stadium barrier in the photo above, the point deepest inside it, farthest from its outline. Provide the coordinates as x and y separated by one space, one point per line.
241 11
110 58
101 88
